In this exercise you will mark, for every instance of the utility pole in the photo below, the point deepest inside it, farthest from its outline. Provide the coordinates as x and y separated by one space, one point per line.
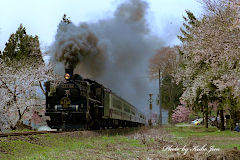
150 108
160 101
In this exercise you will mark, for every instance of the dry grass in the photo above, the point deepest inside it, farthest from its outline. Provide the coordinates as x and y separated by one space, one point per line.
140 144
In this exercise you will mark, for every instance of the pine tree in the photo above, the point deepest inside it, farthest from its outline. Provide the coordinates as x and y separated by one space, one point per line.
190 21
209 54
170 94
22 46
166 61
66 20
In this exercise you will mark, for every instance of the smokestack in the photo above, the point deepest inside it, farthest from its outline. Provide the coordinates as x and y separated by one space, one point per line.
114 51
69 71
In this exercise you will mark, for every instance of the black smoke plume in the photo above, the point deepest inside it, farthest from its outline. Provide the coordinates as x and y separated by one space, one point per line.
113 51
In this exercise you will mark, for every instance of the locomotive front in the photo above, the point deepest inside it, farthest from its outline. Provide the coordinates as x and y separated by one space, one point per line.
67 103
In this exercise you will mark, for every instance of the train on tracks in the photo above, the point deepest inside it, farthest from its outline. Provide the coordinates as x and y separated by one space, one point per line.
78 103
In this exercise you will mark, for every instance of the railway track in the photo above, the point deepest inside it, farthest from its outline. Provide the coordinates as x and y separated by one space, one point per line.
28 133
107 131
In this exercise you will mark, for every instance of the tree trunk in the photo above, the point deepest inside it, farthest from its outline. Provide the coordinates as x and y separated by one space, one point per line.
234 120
206 116
170 116
217 119
203 116
222 128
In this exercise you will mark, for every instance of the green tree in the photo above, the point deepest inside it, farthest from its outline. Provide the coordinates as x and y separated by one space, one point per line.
166 61
170 93
190 21
21 56
187 36
66 20
210 57
21 46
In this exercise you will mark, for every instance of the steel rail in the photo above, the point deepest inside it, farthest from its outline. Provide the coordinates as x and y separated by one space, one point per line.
28 133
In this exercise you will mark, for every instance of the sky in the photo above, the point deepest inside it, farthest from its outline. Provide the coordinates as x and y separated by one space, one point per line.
41 18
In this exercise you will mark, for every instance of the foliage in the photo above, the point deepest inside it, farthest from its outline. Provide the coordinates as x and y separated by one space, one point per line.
166 61
66 20
21 45
181 114
170 93
210 55
22 72
18 85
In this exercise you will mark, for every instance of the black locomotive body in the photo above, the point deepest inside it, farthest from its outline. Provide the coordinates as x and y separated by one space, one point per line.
83 103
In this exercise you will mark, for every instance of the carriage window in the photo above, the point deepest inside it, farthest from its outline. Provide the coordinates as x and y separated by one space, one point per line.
126 108
117 104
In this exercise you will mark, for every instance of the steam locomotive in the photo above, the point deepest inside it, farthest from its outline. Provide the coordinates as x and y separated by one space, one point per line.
78 103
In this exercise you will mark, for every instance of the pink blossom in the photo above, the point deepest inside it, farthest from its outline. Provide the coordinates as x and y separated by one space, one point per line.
18 84
181 114
212 54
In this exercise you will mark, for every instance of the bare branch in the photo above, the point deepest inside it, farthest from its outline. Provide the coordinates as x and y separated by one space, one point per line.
42 88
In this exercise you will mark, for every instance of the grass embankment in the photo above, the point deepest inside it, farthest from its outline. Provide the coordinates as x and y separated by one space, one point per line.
144 143
76 145
68 148
211 136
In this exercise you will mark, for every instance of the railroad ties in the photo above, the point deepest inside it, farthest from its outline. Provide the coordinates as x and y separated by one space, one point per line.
27 133
103 131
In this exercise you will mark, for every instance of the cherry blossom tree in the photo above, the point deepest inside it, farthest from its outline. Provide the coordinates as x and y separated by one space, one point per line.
22 72
166 60
210 54
18 84
181 114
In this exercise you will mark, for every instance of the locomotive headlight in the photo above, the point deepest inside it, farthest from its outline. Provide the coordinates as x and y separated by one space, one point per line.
67 76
